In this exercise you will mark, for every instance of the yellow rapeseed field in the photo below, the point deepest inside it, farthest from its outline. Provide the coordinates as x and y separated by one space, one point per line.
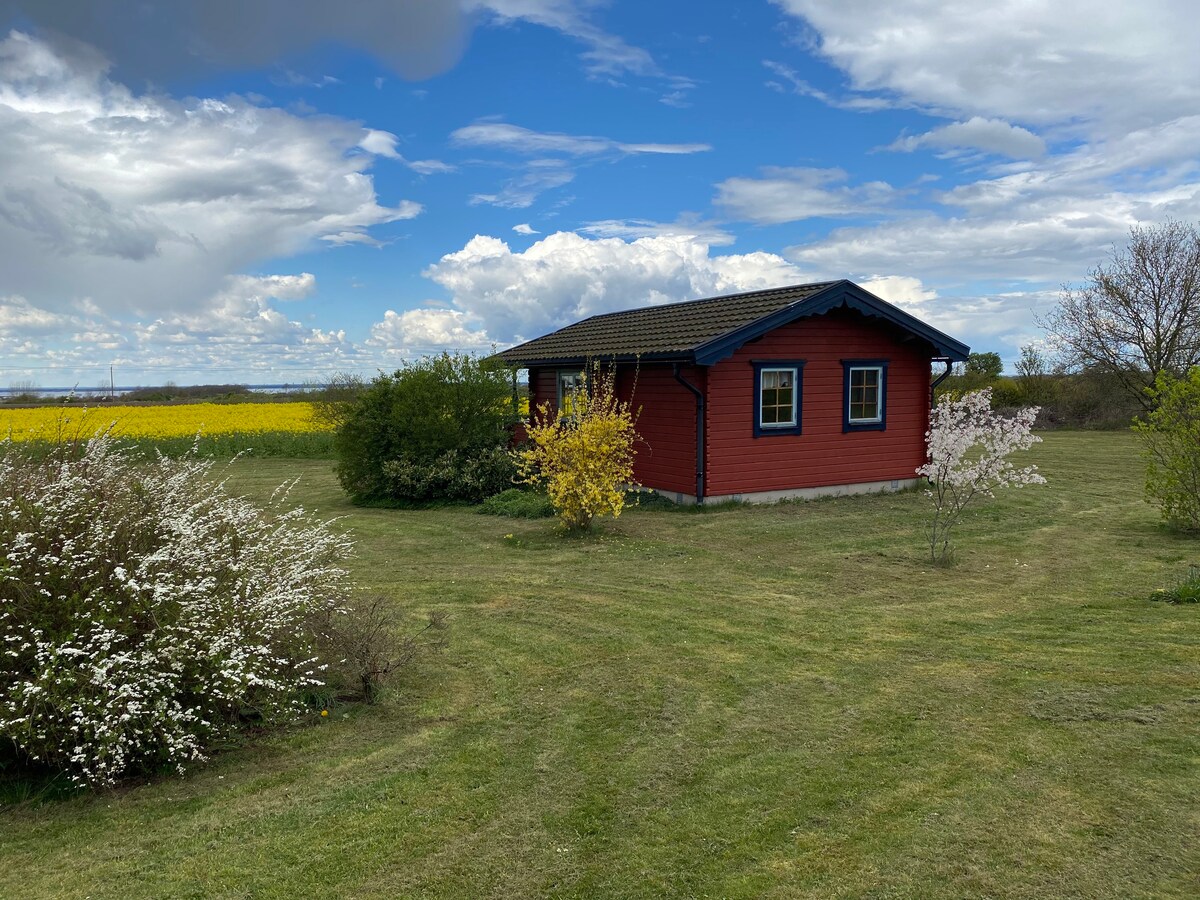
184 420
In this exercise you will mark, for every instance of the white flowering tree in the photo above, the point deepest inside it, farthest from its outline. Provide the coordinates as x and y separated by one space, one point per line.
969 447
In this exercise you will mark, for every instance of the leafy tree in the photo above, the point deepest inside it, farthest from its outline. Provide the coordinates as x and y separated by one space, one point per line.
431 430
1139 314
985 366
584 459
980 370
1170 434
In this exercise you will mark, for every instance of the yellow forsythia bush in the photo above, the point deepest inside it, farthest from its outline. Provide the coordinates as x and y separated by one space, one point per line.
584 458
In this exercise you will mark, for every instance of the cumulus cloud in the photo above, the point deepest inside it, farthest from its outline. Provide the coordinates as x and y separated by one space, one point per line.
144 203
158 39
417 331
514 138
903 290
791 194
977 133
566 277
242 313
1105 68
525 228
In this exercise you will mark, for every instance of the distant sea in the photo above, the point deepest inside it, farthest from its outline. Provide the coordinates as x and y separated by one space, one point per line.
54 392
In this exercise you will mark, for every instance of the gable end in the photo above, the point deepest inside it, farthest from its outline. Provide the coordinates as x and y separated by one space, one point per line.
840 294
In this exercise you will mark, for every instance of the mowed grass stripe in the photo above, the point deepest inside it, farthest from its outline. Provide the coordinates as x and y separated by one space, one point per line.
774 701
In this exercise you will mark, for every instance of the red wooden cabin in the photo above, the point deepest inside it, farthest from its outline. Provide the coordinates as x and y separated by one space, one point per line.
793 392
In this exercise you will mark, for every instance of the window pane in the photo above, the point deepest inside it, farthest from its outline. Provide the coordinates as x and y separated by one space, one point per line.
864 395
568 383
777 397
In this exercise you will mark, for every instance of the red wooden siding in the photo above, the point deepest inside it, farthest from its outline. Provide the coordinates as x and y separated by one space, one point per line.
543 387
739 463
666 456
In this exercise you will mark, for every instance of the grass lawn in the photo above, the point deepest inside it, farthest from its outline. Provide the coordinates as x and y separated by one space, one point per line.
774 701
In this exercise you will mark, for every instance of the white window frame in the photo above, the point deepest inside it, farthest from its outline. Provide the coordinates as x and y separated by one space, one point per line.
561 376
879 382
795 373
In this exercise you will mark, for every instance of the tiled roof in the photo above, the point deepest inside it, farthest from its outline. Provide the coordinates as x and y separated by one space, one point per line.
667 330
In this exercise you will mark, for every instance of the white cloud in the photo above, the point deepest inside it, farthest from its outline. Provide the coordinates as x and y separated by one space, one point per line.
240 333
144 203
566 277
289 78
514 138
1047 225
687 225
607 55
978 133
1094 104
903 290
20 320
429 166
798 85
418 331
525 228
1105 67
546 173
241 314
791 194
539 176
383 143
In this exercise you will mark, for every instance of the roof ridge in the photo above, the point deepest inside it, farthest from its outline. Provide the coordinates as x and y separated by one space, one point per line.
708 329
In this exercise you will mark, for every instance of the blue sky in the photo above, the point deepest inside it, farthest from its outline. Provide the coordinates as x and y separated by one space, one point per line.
280 191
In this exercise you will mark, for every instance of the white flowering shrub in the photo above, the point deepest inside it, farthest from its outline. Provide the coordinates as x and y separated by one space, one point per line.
968 448
145 613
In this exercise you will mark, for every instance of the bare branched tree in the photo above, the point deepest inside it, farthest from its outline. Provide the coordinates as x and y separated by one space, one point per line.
1139 314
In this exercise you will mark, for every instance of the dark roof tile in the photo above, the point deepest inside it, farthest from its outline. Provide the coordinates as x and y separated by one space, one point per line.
673 328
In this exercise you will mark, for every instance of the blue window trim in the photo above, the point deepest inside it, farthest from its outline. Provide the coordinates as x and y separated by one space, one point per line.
797 365
847 365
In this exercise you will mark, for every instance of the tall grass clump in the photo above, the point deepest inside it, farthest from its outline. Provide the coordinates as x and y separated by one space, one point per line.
145 614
